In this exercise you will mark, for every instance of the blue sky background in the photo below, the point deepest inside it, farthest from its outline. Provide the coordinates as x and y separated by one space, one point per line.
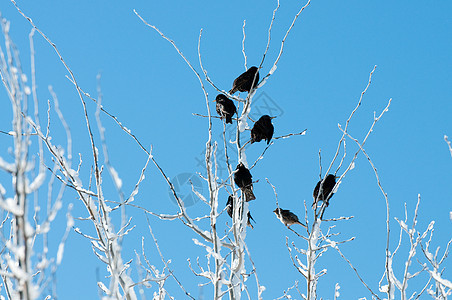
325 65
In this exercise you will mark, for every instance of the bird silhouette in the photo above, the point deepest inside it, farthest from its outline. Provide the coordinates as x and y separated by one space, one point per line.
230 209
324 192
262 130
246 81
243 179
287 217
225 107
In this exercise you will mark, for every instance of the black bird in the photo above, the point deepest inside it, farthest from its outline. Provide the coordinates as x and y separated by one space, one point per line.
287 217
326 191
262 130
246 82
225 107
243 179
230 209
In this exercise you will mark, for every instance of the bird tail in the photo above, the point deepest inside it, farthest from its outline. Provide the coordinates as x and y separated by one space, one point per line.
302 224
314 204
250 218
232 91
249 195
250 225
228 119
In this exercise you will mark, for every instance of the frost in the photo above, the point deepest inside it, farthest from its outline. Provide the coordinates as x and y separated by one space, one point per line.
44 228
57 207
27 90
116 178
98 246
29 231
450 215
273 69
7 166
303 267
42 264
39 180
412 253
403 225
384 288
23 77
336 291
70 219
10 205
242 124
440 280
103 287
107 208
74 175
60 253
333 244
2 189
430 226
16 270
392 279
352 165
101 258
7 24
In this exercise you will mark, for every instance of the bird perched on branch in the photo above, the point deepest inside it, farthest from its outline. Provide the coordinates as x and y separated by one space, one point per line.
324 191
287 217
225 107
246 81
262 130
230 209
243 179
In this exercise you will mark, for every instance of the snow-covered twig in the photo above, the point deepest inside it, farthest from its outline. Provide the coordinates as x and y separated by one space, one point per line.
269 34
360 145
349 119
443 287
446 139
243 45
355 270
275 64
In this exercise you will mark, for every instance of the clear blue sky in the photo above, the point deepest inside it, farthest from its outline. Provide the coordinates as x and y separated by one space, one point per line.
325 66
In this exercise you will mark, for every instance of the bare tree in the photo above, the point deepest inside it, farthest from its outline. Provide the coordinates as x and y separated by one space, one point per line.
28 271
26 266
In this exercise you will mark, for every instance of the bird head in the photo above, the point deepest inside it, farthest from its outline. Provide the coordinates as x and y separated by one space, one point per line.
265 119
220 97
252 69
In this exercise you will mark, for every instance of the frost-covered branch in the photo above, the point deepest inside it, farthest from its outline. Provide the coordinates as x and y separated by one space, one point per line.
446 139
215 268
443 286
27 269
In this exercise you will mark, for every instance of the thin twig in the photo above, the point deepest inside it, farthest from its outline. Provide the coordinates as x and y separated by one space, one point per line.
448 144
356 271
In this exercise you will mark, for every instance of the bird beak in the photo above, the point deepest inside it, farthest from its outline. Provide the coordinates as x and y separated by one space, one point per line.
272 118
